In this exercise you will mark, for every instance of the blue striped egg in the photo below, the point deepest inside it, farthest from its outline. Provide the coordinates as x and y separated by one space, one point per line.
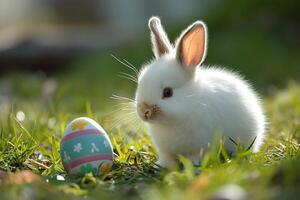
85 147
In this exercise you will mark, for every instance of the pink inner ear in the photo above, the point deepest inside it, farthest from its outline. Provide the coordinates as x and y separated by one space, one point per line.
193 47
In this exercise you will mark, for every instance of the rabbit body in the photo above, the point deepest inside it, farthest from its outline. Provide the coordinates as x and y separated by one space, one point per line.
197 103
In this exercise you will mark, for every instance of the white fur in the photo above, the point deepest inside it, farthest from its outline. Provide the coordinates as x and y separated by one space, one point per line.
205 101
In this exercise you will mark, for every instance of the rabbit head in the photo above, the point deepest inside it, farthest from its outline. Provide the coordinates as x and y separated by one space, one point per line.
165 83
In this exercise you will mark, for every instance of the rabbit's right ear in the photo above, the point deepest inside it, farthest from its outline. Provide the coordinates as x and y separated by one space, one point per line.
160 42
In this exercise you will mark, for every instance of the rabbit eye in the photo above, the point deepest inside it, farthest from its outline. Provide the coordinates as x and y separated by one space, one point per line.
168 92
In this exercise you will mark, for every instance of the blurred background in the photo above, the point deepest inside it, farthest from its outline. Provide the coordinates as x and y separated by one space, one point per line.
56 54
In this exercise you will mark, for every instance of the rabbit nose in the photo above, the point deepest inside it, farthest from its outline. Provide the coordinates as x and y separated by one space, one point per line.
147 113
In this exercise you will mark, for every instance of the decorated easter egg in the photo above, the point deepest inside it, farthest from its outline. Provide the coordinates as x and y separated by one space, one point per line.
85 147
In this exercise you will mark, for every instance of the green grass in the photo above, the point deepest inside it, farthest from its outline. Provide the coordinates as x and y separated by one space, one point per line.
33 144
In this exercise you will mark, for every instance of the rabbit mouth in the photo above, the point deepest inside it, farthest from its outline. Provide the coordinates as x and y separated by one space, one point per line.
148 112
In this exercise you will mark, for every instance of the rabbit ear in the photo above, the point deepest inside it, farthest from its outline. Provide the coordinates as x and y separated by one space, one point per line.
160 42
191 46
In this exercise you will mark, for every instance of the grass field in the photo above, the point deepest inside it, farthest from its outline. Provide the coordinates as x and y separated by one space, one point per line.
35 110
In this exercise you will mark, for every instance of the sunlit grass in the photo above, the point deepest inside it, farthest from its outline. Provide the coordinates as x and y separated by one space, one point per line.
31 141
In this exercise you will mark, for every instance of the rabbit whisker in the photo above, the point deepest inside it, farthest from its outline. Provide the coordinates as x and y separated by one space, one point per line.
133 67
125 64
124 120
117 97
128 77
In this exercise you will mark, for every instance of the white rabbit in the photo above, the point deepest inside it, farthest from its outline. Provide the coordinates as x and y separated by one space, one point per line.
185 103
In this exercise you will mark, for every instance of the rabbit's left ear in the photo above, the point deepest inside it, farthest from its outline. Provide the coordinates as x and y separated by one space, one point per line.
191 45
160 41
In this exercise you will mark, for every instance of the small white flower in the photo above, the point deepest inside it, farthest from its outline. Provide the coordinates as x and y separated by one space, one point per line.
105 143
94 148
66 157
77 147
